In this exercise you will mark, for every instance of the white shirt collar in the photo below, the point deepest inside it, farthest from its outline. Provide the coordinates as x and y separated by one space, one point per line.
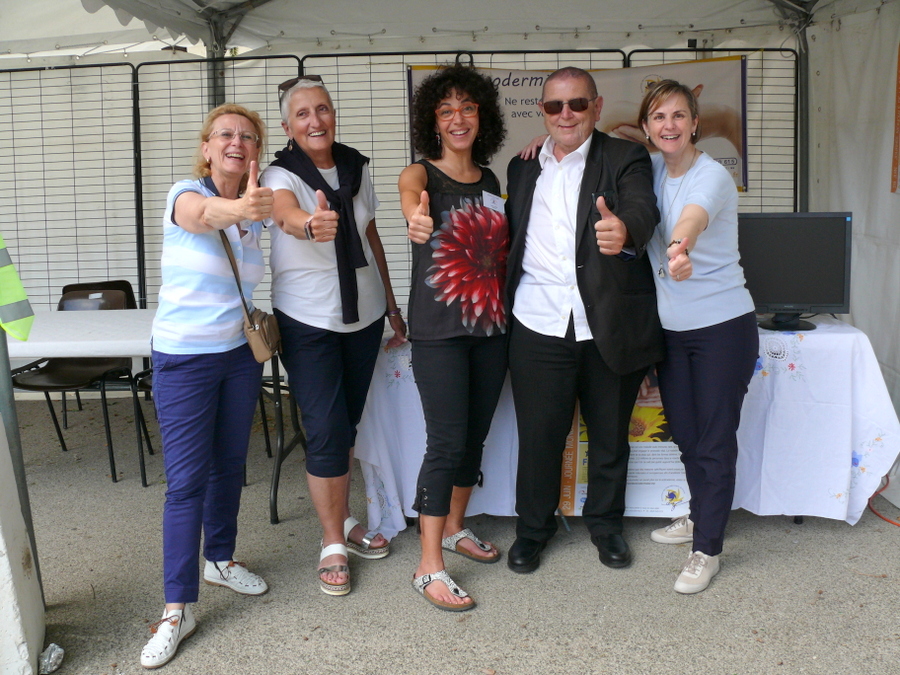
546 153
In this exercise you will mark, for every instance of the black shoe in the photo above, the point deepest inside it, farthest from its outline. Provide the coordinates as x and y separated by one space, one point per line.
613 548
524 555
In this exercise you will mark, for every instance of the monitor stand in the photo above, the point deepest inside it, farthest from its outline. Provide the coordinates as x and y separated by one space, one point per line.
787 322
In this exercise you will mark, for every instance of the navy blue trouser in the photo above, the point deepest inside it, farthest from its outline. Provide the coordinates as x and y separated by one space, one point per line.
205 405
459 381
329 375
702 384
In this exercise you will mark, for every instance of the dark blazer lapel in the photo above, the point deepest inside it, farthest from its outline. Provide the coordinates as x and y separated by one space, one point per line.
530 172
593 167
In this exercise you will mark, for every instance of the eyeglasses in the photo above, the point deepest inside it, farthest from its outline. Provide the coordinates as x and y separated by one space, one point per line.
228 135
466 110
575 105
287 84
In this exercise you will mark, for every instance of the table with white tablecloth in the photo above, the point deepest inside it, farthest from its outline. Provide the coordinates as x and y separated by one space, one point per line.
123 332
818 431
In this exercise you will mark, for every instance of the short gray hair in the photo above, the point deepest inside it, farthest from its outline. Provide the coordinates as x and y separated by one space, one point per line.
285 100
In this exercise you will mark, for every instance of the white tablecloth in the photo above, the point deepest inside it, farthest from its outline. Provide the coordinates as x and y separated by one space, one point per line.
112 333
818 432
818 429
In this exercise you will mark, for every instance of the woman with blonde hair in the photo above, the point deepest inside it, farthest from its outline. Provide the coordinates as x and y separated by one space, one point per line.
205 378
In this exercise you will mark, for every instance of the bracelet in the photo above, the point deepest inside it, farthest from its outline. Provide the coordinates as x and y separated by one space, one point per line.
307 227
392 312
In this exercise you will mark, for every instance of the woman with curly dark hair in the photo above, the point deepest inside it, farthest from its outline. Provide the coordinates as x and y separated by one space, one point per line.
457 317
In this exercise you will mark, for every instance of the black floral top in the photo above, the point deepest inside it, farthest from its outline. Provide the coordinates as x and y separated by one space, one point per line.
459 274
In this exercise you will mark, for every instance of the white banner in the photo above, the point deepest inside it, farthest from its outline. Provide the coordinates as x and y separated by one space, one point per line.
720 85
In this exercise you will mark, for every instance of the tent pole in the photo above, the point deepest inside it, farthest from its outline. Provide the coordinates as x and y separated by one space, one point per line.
11 423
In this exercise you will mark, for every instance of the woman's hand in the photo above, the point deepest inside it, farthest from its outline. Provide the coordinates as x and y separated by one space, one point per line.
399 326
680 267
256 204
531 150
421 224
323 222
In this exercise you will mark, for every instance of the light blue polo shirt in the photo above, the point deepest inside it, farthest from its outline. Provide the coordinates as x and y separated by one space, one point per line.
199 306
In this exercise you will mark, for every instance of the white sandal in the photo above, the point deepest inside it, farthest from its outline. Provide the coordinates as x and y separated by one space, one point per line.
324 586
364 550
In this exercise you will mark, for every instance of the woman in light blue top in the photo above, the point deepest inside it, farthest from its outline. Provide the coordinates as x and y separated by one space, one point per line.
708 320
205 378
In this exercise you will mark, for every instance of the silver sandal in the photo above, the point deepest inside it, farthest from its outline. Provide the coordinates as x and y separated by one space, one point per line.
421 583
451 544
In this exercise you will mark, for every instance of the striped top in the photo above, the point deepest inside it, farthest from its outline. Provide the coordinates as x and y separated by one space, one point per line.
199 307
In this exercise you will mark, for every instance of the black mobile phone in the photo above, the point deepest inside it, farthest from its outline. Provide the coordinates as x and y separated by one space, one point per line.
609 197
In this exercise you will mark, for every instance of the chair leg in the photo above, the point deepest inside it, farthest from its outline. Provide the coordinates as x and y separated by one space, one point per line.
138 424
78 399
59 435
65 409
109 445
265 422
146 431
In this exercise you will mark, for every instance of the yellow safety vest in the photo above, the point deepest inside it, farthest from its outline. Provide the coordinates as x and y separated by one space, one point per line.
16 315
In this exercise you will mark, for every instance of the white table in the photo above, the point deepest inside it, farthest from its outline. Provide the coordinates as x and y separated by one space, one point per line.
113 333
818 432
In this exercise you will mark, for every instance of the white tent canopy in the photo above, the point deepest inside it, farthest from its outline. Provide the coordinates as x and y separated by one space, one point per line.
275 23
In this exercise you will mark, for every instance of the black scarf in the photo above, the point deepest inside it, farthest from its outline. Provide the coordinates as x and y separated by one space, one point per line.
347 244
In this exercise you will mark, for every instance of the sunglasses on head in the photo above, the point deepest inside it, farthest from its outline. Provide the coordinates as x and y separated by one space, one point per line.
575 105
287 84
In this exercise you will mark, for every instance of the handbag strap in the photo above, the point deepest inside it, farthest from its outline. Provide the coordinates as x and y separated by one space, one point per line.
237 277
211 186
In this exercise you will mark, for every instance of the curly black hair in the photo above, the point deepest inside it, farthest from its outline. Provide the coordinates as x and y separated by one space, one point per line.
464 79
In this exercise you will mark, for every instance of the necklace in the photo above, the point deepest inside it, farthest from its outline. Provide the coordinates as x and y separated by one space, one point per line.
661 272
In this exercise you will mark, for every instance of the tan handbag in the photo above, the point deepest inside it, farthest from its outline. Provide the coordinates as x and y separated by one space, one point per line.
261 328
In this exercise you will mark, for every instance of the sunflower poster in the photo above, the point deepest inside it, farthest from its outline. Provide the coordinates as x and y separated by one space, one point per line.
656 486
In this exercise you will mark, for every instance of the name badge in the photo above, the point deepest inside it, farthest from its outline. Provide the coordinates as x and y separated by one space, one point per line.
492 202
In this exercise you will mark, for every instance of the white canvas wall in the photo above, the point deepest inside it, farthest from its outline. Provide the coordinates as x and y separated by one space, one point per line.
853 77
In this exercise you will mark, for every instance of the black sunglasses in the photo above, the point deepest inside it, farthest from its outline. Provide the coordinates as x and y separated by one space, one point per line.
287 84
575 105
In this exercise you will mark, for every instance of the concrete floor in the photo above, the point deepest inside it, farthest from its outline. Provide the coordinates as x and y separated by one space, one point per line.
821 597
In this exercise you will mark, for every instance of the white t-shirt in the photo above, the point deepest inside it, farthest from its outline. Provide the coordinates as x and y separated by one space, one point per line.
715 291
305 283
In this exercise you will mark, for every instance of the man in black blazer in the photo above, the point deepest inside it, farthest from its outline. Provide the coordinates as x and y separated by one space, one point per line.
583 304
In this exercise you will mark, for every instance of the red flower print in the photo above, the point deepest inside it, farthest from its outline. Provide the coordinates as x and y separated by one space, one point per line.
470 265
791 366
396 373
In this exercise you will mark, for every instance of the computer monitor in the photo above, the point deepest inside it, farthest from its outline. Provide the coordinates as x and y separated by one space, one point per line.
796 263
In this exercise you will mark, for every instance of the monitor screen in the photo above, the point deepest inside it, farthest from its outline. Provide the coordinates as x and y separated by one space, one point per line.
796 262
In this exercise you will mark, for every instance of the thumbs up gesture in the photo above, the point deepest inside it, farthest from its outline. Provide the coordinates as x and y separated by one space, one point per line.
323 222
421 224
680 266
611 232
257 200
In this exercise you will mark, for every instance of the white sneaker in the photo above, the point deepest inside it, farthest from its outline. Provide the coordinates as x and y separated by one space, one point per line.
697 572
234 575
168 632
679 531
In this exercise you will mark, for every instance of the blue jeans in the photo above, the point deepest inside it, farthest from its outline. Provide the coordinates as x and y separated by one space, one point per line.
205 405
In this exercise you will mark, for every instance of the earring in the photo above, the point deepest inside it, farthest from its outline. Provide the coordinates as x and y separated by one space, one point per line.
438 137
290 145
647 137
693 134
